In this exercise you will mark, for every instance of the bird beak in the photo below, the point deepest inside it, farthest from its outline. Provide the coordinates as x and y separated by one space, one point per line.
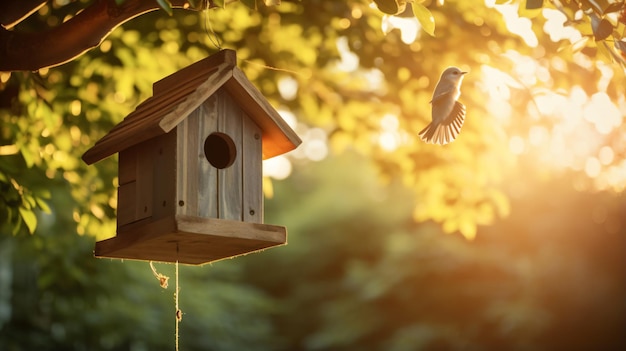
464 73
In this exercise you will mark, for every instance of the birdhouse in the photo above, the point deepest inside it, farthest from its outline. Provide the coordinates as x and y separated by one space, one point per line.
190 163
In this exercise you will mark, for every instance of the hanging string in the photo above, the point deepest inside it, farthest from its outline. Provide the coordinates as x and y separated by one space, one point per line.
208 28
275 68
179 313
163 282
217 42
163 279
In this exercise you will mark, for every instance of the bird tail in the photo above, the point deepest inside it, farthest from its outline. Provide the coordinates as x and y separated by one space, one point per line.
445 132
427 133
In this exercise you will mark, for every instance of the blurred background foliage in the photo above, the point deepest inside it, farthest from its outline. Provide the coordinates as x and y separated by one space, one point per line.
534 182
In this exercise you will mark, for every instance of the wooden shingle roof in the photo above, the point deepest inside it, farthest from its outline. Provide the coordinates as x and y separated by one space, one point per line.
176 96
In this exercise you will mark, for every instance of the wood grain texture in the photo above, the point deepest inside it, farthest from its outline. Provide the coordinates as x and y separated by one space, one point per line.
187 166
207 174
230 179
199 240
145 179
127 166
126 203
278 137
164 168
195 98
164 111
252 171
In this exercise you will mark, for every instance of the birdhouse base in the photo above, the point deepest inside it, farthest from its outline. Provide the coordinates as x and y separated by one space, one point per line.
189 240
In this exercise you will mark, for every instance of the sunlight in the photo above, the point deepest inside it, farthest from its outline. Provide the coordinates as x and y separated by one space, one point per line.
496 84
409 27
288 88
349 60
604 115
389 138
578 123
516 145
554 26
520 26
278 167
314 144
288 117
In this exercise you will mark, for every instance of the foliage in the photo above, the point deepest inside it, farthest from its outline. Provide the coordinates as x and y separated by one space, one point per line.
358 273
380 282
367 265
459 185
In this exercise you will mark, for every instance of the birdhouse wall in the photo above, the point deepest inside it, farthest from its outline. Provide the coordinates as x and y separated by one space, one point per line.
233 192
147 180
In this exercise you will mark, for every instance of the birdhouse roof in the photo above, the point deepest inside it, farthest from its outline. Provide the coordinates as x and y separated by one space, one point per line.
176 96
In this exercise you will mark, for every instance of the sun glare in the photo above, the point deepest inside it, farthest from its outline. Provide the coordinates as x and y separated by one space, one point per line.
390 137
520 26
574 125
409 27
554 27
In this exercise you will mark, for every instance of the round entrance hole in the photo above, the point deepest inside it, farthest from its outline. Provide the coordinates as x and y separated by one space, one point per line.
219 150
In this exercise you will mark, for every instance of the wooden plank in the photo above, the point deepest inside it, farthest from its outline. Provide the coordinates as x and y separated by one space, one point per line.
187 166
165 111
145 179
126 205
197 97
127 166
139 126
232 229
160 114
278 137
164 176
252 171
207 174
230 182
190 240
107 147
199 68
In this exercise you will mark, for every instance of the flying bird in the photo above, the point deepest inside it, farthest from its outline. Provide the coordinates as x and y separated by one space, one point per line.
447 113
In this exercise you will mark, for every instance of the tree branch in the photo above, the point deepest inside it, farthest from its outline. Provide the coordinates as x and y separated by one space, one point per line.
13 12
20 51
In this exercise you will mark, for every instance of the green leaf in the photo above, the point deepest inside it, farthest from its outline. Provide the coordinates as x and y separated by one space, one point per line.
43 205
425 17
193 3
29 219
603 30
621 45
28 202
219 3
17 225
28 156
534 4
250 3
389 7
614 7
613 54
166 5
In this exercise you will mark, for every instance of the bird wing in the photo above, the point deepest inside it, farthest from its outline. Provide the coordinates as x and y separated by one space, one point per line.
438 96
456 116
447 130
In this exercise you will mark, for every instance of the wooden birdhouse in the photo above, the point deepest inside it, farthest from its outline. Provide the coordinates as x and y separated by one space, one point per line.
190 182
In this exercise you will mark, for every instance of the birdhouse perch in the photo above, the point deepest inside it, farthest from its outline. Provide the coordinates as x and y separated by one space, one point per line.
190 163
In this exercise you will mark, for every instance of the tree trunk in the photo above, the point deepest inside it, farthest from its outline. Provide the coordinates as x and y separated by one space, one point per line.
21 51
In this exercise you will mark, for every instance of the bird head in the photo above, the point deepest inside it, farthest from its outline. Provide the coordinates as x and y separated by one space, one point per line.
453 74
